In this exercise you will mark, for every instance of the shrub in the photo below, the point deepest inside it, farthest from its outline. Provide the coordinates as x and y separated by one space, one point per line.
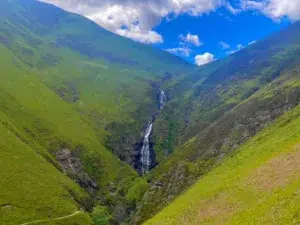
101 216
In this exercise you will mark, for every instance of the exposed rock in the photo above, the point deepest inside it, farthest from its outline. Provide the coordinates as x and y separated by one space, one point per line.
69 93
159 184
72 166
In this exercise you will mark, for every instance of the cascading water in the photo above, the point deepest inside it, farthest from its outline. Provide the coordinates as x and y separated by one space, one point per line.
145 153
162 99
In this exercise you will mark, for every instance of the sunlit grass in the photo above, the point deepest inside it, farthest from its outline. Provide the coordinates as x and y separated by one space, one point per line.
258 185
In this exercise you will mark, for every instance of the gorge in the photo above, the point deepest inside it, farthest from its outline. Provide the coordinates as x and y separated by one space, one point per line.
98 129
147 153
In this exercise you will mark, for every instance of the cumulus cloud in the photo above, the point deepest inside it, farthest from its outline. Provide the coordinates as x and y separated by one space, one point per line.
190 39
275 9
180 51
185 44
147 37
136 18
204 59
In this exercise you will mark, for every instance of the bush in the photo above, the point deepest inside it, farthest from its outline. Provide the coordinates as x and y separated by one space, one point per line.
137 191
101 216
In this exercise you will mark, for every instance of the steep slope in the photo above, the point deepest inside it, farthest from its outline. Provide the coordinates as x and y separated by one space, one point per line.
223 105
112 81
258 184
32 188
77 97
47 124
72 92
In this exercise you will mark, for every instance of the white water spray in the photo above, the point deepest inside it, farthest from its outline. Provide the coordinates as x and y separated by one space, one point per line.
146 161
162 99
145 153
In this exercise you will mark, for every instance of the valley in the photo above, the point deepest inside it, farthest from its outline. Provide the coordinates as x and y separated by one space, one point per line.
97 129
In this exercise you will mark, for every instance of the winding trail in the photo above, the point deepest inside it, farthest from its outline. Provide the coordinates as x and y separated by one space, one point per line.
55 219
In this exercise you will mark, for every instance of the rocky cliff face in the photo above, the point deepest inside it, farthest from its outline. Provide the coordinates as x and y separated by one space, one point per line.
71 164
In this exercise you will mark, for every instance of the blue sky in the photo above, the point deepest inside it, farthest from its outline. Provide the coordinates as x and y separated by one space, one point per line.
197 30
233 31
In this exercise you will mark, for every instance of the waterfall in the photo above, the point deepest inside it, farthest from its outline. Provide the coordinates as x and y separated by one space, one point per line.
162 99
145 152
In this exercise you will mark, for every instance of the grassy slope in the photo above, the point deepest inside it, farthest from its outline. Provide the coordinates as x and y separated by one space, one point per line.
214 110
112 81
46 123
47 118
31 188
200 98
114 95
259 184
202 152
65 87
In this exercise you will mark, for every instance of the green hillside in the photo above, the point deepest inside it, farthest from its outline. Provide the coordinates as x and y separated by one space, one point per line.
75 100
258 184
32 188
89 68
68 94
216 109
42 122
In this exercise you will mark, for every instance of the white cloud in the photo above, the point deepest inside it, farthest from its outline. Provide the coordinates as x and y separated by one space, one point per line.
204 59
186 43
190 39
275 9
232 9
239 47
252 42
147 37
136 18
181 51
224 45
